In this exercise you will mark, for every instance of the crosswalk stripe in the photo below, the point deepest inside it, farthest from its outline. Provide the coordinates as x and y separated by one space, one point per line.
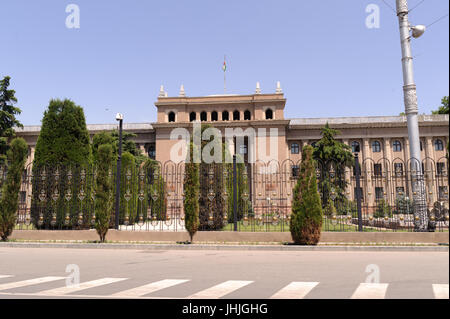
441 291
147 289
295 290
30 282
220 290
81 286
370 291
5 276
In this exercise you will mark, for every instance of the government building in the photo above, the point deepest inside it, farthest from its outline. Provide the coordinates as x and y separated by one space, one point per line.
381 141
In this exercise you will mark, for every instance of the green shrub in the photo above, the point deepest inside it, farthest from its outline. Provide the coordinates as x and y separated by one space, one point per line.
17 155
306 218
382 210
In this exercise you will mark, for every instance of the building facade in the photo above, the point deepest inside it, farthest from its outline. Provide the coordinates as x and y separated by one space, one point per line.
382 142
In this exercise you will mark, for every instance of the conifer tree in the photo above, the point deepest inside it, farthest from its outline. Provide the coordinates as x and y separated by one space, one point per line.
17 155
306 218
64 138
103 189
191 196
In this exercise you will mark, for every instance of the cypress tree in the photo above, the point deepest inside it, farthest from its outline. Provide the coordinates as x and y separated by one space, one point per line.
64 138
306 218
17 155
191 196
63 145
103 189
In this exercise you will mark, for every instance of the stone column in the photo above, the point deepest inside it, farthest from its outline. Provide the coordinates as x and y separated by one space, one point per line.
348 172
367 166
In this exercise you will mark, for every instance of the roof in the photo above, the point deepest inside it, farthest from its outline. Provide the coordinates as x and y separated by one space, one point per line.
368 121
135 127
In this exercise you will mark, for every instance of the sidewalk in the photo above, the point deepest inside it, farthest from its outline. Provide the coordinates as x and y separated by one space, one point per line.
232 247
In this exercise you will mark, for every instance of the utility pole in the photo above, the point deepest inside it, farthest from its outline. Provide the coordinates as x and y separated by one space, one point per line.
412 110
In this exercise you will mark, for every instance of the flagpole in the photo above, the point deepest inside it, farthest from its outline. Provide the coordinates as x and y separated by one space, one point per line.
224 75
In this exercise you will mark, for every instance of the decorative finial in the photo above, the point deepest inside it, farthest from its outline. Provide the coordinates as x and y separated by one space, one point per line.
182 92
279 90
161 92
258 88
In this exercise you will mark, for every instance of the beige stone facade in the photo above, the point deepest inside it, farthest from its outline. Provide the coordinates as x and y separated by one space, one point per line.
382 141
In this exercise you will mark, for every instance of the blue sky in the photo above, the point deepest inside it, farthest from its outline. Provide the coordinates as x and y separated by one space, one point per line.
328 62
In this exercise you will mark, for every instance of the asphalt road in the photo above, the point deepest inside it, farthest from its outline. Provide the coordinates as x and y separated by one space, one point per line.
41 273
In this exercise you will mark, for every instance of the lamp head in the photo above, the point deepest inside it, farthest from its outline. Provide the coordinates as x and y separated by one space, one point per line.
119 117
418 30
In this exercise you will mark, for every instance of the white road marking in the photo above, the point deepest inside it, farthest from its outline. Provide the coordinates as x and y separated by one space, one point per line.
440 291
30 282
370 291
5 276
295 290
85 285
220 290
147 289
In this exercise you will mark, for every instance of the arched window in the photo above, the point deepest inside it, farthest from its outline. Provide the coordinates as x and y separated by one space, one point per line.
397 146
355 147
247 115
214 116
295 148
243 149
203 117
171 117
376 147
236 115
225 116
438 145
269 114
192 116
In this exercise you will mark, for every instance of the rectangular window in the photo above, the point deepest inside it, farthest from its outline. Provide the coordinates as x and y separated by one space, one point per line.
152 151
295 171
398 168
379 193
377 169
400 191
243 149
440 168
295 148
443 193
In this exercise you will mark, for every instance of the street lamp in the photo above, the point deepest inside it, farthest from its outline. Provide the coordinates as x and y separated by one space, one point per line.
119 117
412 110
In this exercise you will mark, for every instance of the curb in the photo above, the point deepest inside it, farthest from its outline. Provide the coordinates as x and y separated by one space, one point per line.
228 247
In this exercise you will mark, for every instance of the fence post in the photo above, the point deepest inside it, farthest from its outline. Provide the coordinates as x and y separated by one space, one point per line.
235 194
358 192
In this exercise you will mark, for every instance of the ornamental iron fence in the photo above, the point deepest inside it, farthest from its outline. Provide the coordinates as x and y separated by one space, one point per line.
151 196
